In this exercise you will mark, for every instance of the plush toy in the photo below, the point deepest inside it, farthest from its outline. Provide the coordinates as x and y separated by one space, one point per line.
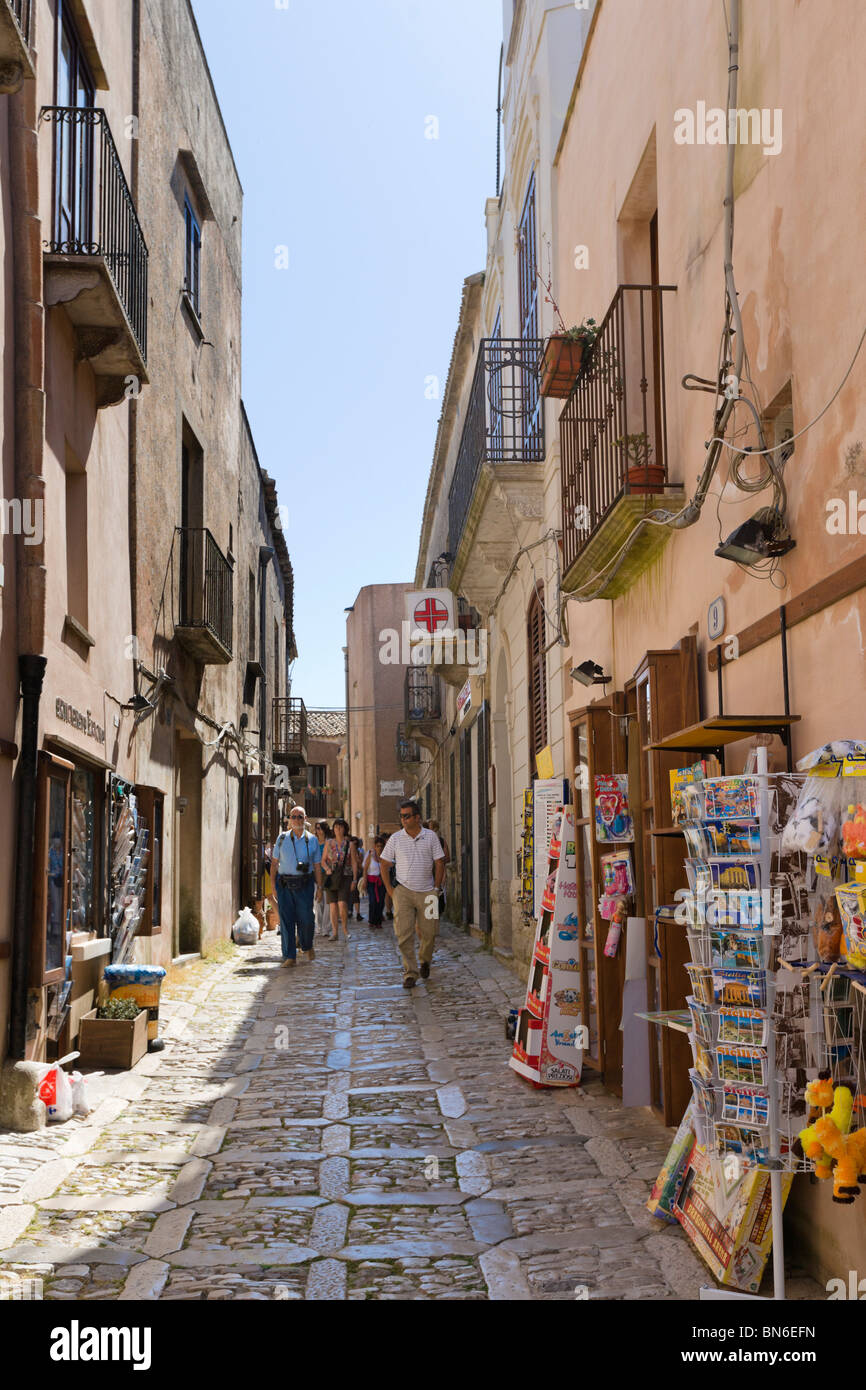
827 1143
854 833
827 930
812 827
819 1094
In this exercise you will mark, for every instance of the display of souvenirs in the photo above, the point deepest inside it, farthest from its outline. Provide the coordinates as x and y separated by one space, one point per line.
613 822
852 908
731 798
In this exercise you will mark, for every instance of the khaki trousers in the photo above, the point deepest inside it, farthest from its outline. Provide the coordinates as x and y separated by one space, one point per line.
415 912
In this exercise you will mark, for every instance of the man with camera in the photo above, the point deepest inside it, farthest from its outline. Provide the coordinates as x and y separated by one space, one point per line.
297 870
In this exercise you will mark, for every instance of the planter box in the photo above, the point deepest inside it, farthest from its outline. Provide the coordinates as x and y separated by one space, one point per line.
112 1042
560 366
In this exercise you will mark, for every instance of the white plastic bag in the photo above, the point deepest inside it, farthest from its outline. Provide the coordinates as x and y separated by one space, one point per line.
245 931
80 1099
55 1092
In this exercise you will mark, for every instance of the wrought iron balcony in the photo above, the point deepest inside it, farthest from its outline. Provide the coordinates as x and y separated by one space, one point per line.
16 63
290 732
96 259
423 695
614 446
504 423
206 615
408 749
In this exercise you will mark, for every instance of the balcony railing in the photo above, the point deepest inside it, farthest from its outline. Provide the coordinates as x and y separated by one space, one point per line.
21 9
408 749
94 214
290 731
423 695
504 420
206 603
620 392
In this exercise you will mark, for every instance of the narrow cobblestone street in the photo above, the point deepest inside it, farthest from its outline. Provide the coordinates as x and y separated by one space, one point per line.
323 1134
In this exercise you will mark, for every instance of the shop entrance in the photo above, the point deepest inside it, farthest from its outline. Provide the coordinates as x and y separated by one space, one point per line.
186 933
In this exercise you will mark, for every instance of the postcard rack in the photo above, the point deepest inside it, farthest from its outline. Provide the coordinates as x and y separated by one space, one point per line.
756 1027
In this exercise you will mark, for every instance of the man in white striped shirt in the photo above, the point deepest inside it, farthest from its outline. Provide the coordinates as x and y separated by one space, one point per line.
419 859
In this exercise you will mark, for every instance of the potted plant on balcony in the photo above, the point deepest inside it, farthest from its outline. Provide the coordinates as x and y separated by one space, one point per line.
643 476
563 357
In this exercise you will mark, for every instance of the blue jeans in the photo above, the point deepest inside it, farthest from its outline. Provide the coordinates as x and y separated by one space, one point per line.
296 910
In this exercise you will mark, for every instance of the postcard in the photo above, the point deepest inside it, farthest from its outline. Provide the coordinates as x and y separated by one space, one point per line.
732 837
731 798
742 949
731 987
744 1027
746 1066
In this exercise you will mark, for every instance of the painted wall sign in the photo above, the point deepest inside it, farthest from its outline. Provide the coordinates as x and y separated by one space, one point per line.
85 723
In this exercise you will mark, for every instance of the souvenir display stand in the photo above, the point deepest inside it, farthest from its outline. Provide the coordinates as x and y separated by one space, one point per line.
744 1116
548 1044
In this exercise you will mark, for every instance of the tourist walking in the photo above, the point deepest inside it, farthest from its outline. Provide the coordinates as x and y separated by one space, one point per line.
356 891
296 862
374 883
419 860
340 870
323 916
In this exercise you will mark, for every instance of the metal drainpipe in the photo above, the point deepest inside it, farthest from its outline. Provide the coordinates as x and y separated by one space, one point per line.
29 346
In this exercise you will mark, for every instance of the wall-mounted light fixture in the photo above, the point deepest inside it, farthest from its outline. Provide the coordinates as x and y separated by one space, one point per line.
590 673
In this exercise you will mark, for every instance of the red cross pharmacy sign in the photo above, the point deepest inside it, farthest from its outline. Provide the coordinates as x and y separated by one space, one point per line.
431 615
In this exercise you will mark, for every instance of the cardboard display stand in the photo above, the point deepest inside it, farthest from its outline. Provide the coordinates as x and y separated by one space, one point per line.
548 1048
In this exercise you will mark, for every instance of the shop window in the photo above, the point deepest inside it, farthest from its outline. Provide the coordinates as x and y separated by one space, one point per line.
537 679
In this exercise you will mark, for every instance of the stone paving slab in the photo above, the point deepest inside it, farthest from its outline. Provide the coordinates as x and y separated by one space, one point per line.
393 1157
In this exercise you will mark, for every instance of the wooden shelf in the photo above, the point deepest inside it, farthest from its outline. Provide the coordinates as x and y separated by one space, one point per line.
722 729
669 830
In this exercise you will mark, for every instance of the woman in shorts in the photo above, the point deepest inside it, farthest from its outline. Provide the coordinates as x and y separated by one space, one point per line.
340 869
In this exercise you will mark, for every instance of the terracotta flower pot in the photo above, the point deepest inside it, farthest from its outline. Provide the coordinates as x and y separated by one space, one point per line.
647 478
560 365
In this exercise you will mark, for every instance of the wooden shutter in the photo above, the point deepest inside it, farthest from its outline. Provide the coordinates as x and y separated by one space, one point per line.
537 679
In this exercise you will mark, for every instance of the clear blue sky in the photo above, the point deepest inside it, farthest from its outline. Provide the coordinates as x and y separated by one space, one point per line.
325 103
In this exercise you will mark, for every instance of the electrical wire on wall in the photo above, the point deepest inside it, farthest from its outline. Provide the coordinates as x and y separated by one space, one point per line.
733 369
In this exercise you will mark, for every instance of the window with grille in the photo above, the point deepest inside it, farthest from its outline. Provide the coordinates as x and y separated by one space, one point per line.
537 678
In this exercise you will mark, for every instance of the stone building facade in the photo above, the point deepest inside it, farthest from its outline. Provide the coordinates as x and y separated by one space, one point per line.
383 766
146 591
